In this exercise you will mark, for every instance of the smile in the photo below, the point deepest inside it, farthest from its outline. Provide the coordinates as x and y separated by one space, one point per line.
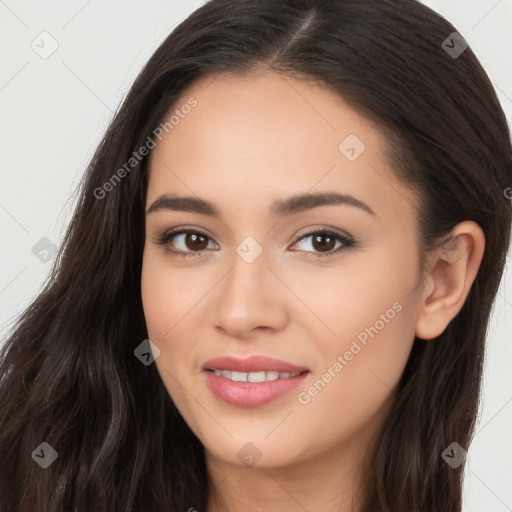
255 376
251 389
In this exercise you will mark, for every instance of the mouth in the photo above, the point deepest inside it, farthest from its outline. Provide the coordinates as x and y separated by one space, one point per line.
259 376
252 389
257 364
251 382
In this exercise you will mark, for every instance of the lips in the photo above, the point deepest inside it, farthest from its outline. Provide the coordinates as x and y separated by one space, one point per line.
250 394
252 364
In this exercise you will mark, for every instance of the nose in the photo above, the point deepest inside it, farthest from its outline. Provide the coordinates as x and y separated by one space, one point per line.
250 298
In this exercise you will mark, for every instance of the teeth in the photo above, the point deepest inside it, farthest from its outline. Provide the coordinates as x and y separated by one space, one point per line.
254 376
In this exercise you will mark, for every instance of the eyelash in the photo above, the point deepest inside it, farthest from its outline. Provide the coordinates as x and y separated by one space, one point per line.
348 243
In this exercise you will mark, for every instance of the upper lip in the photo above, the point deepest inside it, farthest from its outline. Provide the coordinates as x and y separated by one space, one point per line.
251 364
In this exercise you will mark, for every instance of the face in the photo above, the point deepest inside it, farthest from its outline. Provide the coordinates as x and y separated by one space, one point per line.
331 287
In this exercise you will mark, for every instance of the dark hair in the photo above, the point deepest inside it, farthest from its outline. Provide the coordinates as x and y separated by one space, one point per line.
69 376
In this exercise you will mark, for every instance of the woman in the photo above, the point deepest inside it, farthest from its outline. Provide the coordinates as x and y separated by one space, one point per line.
275 289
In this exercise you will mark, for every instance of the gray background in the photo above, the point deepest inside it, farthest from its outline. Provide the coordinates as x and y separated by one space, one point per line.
55 110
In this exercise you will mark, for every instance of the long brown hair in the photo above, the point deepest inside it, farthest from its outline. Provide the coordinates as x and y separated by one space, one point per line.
69 376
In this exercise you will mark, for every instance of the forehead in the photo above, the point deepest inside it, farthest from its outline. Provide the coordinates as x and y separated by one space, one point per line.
253 139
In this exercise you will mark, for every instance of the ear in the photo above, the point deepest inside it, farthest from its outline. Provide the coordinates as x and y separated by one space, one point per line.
451 270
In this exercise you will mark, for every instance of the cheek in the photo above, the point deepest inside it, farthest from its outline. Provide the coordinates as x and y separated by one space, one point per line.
370 311
161 295
353 390
156 299
370 296
161 304
169 294
361 371
170 297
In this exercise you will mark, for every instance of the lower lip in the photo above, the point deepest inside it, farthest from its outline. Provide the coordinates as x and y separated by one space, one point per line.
250 394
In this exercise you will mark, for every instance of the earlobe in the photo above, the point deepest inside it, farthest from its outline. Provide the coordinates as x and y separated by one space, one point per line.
452 270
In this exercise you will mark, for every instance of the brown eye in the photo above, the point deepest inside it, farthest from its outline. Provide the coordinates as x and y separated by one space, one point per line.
194 241
184 242
323 243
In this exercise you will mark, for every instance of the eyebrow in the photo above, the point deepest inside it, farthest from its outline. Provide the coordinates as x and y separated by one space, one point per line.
281 207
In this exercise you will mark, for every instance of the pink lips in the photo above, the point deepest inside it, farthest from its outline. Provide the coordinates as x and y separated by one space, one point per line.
251 394
251 364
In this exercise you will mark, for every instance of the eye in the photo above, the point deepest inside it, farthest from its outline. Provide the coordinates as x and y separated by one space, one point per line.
324 241
190 242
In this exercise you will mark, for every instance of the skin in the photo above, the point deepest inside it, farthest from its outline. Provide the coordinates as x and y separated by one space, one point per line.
252 140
